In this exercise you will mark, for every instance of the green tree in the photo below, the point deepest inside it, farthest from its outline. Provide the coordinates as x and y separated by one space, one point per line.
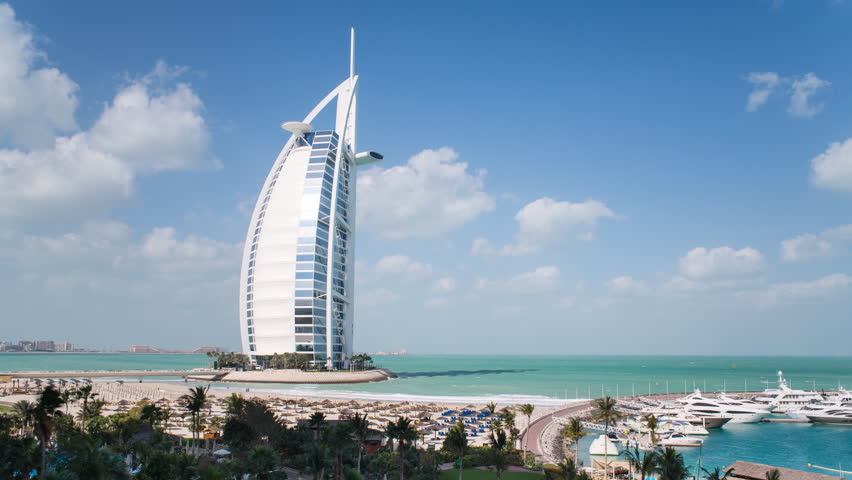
526 410
498 455
605 411
574 431
44 418
24 413
317 459
84 394
456 443
652 423
360 433
18 457
567 469
338 438
195 402
670 465
643 464
773 474
91 462
492 407
716 474
510 427
316 422
263 464
404 432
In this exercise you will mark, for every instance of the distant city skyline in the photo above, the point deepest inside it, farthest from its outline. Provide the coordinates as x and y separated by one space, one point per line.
664 177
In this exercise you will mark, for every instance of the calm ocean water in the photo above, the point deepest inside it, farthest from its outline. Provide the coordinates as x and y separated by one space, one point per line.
547 380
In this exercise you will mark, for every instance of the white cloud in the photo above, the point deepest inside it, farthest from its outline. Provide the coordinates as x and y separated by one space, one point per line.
162 242
35 103
403 266
151 125
437 302
830 243
764 84
626 285
832 169
800 94
801 90
481 246
799 292
542 279
720 263
428 196
378 297
444 285
546 223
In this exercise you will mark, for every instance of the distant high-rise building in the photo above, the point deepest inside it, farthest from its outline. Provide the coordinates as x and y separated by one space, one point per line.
44 346
26 345
64 347
206 349
296 284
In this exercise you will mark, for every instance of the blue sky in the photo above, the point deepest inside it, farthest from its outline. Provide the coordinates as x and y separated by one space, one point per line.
663 177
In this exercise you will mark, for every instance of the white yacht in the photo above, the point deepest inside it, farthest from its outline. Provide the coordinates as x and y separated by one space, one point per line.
603 445
685 428
681 440
837 416
784 398
832 402
740 411
703 421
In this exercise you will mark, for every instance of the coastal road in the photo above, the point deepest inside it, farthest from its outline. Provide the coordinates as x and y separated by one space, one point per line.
539 426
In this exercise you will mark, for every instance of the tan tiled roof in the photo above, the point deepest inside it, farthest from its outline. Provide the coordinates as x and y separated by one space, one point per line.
758 471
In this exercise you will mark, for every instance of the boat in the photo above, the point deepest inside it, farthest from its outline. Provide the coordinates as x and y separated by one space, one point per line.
706 421
685 428
680 440
784 398
603 445
840 416
838 400
740 410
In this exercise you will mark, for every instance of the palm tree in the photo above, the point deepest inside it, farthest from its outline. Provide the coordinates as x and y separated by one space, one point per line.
67 396
498 452
404 432
456 443
527 410
670 465
642 464
574 431
317 459
24 412
509 425
605 412
338 438
194 402
652 424
567 468
360 431
316 422
773 474
44 418
491 407
716 474
85 394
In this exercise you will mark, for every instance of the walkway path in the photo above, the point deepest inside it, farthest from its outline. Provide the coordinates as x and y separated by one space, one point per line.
539 426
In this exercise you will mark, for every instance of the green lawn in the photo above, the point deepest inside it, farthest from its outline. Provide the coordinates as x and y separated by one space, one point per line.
476 474
4 408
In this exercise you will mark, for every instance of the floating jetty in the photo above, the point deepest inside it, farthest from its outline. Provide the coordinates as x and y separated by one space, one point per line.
785 420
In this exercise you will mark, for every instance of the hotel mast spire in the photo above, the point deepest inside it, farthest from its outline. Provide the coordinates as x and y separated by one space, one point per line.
352 53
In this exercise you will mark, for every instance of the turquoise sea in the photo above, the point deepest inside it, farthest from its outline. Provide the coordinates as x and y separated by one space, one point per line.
549 380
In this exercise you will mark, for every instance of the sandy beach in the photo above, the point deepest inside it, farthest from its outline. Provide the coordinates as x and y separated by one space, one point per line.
432 418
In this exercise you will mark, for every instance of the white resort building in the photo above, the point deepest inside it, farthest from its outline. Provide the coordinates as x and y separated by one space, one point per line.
296 284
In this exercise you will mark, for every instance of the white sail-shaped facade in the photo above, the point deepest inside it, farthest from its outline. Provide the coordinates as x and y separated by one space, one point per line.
296 284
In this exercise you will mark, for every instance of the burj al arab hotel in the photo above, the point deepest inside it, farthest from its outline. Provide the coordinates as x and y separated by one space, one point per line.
296 283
